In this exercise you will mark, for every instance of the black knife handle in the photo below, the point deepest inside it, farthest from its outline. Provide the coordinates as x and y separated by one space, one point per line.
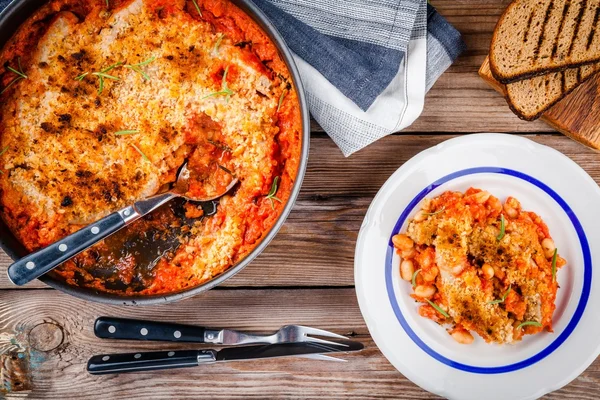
149 361
132 329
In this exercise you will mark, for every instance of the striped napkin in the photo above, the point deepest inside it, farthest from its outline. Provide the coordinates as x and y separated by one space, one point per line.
365 64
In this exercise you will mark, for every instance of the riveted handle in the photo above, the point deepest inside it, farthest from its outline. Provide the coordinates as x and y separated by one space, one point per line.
149 361
133 329
37 264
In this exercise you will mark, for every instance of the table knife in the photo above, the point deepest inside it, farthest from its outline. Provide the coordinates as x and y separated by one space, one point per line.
159 360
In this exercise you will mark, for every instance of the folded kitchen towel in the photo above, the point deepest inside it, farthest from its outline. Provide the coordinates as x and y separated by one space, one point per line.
365 64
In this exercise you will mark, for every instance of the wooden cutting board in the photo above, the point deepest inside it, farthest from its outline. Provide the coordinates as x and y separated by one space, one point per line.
577 115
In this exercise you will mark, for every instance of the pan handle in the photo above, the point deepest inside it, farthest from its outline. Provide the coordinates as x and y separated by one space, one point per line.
149 361
133 329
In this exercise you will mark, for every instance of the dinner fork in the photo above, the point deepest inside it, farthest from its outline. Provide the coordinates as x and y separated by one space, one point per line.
132 329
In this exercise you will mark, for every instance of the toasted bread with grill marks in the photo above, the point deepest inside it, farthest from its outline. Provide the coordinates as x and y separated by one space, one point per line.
530 98
536 37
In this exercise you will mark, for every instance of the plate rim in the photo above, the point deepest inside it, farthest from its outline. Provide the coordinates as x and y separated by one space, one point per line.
470 140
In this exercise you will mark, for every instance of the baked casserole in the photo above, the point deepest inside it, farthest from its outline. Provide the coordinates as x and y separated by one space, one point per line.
481 265
102 101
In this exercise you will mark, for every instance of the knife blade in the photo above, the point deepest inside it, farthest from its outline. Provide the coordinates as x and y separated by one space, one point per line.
159 360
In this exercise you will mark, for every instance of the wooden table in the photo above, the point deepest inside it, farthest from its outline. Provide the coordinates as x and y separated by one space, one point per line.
305 276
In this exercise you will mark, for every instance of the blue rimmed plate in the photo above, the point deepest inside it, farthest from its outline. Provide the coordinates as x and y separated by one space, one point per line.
546 182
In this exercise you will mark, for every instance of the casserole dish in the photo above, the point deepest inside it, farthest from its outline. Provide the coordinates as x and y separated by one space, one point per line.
14 16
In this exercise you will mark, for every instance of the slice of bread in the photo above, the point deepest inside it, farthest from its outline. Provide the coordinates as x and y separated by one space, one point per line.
535 37
530 98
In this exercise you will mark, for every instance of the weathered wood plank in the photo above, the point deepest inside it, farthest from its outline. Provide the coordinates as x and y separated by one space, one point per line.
59 372
336 193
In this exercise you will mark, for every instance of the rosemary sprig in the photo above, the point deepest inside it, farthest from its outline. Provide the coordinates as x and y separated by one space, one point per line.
273 192
20 75
226 170
145 157
221 146
438 308
554 265
502 228
224 89
136 67
283 94
127 132
102 75
503 297
197 7
4 150
414 277
526 323
218 43
441 210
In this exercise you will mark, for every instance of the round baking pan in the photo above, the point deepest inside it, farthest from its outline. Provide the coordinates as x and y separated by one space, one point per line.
16 14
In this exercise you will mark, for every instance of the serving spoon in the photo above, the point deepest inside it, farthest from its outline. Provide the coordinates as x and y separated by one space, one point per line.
38 263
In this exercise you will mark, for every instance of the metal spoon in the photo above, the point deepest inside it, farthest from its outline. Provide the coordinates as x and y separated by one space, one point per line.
37 264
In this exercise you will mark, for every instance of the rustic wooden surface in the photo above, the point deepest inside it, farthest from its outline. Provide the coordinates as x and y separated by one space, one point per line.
305 276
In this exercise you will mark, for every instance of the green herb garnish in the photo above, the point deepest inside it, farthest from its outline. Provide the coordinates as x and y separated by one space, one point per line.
107 5
197 7
226 169
502 227
272 194
101 76
127 132
218 44
20 75
503 297
414 277
438 308
283 94
554 265
136 67
145 157
441 210
4 150
533 323
224 89
219 145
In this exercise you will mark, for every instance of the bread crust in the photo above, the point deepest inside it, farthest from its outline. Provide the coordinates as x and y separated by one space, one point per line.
536 71
547 107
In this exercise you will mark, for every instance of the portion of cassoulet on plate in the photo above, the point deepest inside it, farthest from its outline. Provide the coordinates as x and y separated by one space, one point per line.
101 103
481 265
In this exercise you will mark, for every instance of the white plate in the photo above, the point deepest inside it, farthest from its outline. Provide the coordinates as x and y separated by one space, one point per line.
544 181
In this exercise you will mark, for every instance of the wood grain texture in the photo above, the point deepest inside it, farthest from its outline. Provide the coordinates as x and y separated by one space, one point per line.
305 276
336 193
60 373
577 115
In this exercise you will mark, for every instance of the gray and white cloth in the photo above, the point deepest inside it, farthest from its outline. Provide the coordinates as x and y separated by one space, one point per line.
366 65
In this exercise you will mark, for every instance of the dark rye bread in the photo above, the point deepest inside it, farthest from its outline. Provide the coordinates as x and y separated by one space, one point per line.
535 37
530 98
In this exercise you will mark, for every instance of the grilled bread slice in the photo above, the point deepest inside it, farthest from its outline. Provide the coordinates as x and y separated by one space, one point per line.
530 98
535 37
